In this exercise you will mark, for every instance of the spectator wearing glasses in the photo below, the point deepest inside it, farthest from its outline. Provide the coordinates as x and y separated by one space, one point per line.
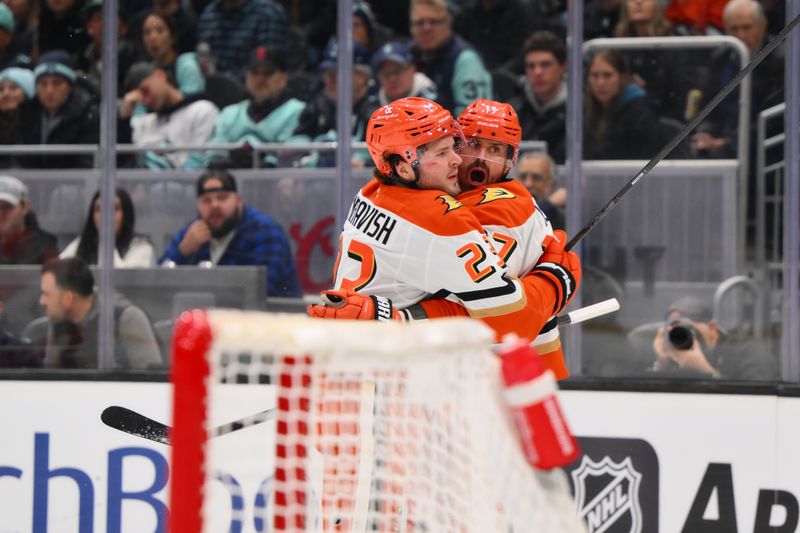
537 172
542 104
446 58
397 75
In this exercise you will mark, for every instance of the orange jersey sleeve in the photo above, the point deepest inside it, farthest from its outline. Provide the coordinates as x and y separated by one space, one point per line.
531 322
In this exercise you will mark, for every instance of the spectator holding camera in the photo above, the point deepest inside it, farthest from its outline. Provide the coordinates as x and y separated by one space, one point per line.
692 344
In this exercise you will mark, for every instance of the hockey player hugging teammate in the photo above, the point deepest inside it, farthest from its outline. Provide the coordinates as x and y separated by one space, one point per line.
410 249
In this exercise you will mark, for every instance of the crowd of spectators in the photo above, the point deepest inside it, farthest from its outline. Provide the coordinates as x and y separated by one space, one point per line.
239 73
272 65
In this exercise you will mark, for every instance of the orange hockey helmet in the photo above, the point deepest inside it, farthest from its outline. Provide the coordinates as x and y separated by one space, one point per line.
404 125
496 121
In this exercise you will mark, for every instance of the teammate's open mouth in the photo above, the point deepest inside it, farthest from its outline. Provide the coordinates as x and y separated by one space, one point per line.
478 174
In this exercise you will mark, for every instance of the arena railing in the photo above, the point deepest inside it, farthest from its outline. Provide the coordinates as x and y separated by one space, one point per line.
770 190
257 149
705 41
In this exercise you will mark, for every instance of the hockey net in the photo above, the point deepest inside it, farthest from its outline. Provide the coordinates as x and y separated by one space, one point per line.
373 427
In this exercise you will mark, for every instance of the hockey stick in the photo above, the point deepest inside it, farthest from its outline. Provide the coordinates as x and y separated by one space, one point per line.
689 126
589 312
137 424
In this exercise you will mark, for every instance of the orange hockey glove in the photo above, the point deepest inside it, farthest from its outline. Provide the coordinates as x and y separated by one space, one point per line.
350 305
560 267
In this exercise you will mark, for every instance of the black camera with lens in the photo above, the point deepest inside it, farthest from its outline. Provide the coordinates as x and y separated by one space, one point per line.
681 333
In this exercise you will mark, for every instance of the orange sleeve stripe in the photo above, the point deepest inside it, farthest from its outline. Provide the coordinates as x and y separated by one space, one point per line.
433 211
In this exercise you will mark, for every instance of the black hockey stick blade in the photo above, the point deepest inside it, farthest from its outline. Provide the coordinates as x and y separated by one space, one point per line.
687 128
129 421
137 424
242 423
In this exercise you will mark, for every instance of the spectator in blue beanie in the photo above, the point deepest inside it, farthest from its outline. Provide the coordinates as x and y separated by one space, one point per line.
16 113
64 113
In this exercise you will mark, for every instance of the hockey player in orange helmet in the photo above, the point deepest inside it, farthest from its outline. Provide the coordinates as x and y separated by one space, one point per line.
508 213
410 134
400 247
492 133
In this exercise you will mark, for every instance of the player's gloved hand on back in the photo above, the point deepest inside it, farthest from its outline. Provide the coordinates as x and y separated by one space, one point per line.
349 305
561 267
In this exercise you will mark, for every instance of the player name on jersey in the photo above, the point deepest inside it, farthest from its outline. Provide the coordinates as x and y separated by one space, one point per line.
371 221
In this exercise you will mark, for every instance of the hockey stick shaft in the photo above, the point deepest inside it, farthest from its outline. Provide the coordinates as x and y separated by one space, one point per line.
137 424
687 128
589 312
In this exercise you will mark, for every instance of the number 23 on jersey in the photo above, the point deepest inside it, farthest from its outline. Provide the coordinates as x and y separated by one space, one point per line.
473 254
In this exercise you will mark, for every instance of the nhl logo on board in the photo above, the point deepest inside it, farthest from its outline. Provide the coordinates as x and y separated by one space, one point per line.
607 495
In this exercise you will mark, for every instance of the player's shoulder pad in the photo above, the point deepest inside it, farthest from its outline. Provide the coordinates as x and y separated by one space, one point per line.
434 211
506 203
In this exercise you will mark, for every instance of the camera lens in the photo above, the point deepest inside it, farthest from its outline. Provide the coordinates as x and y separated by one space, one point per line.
681 337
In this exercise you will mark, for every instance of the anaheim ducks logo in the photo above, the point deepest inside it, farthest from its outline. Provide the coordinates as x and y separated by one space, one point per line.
491 194
450 202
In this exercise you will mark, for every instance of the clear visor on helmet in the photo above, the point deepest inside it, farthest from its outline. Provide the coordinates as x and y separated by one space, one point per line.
484 160
487 150
426 153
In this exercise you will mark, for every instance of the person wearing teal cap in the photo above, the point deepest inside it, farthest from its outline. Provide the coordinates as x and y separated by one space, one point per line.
64 113
16 94
9 55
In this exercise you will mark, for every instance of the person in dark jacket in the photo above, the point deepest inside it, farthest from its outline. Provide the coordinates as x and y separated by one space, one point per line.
70 335
17 91
22 241
10 55
542 102
61 27
227 232
619 122
317 122
448 60
90 61
64 113
497 29
367 31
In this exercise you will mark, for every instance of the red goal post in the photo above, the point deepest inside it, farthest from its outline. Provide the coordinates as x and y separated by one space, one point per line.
377 427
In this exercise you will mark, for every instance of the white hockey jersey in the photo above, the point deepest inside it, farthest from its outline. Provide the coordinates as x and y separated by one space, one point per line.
516 226
408 244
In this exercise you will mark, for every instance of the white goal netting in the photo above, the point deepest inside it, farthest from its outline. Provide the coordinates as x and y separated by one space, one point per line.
370 427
